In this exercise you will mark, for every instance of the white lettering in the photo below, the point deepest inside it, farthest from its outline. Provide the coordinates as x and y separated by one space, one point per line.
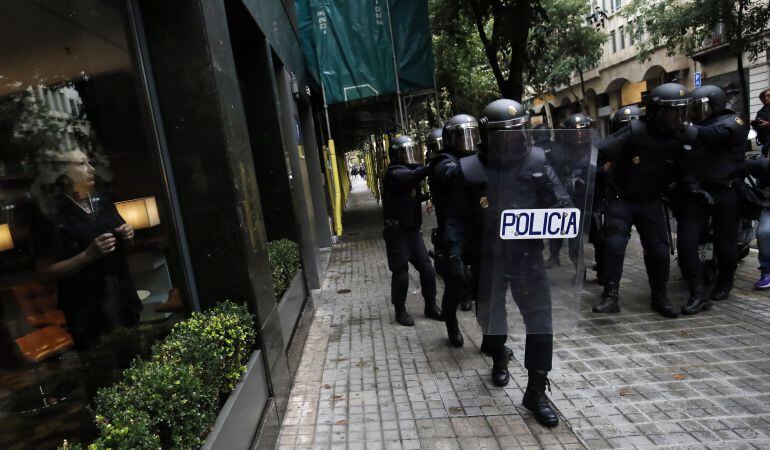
562 223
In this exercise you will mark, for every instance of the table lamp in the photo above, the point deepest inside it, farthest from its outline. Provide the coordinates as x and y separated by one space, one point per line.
139 213
6 240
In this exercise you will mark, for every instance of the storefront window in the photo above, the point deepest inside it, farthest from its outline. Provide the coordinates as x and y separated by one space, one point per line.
87 274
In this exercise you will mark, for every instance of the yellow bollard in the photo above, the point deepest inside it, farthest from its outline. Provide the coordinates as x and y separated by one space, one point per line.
337 199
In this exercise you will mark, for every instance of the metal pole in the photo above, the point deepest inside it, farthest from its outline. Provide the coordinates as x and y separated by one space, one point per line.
395 67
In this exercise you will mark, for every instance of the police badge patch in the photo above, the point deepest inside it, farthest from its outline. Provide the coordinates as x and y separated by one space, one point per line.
636 160
484 202
739 121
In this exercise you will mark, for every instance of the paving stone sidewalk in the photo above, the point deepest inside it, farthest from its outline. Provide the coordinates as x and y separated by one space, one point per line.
631 380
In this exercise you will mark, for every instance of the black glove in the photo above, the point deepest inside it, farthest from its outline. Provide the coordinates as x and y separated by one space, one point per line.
703 196
422 171
456 269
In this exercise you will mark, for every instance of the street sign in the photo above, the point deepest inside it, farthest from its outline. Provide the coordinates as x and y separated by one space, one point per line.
697 79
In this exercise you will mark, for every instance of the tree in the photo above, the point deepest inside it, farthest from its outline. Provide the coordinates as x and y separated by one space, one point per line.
561 45
503 27
463 76
682 26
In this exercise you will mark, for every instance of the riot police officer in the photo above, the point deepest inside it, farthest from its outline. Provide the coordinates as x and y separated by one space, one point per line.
507 159
715 166
623 116
460 137
646 156
569 157
402 199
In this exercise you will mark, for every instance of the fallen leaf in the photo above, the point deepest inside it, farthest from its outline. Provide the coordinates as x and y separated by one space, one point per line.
455 410
338 396
625 391
679 376
685 333
341 422
327 386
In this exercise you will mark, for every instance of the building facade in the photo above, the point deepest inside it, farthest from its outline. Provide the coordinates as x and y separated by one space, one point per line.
621 79
190 120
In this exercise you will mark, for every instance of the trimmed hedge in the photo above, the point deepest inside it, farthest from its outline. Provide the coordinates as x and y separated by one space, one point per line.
283 255
171 400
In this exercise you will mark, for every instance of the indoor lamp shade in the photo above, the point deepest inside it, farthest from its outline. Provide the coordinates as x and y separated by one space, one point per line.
6 240
140 213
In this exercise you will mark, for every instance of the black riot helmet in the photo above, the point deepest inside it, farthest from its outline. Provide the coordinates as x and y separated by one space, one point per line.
435 144
623 116
581 123
461 135
668 107
404 150
707 101
505 130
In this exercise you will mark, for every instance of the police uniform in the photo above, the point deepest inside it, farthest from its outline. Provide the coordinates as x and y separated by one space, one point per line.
402 198
716 164
644 164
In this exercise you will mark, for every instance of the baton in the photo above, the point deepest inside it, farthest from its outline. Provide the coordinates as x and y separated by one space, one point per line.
668 229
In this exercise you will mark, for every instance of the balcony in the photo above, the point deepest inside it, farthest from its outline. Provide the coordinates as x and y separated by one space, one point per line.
714 42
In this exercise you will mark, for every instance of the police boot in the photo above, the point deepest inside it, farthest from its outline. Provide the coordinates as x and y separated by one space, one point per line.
466 304
553 261
454 334
698 301
536 401
489 350
661 304
432 311
721 290
403 317
610 300
500 374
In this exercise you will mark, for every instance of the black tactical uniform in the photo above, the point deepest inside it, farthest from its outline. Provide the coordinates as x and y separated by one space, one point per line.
525 267
715 166
570 155
646 157
460 137
402 199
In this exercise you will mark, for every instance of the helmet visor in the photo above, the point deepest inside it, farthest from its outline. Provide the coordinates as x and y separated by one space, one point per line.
672 117
702 109
509 145
465 138
408 153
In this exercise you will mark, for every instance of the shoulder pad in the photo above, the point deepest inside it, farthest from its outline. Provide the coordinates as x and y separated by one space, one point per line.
473 170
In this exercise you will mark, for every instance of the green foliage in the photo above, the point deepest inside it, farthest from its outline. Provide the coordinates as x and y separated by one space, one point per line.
170 401
682 26
26 129
561 45
283 255
216 342
157 401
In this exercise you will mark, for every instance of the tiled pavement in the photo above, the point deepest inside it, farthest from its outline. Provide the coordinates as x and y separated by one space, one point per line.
632 380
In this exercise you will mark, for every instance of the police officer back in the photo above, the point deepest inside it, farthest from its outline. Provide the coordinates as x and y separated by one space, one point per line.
714 167
646 157
402 199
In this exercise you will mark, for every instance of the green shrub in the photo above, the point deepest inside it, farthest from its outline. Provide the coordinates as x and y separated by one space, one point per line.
283 255
217 342
170 401
157 402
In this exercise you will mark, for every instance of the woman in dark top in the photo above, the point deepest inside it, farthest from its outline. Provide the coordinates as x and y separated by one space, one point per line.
80 243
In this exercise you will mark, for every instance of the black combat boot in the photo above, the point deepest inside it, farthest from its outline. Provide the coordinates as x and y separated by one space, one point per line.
721 290
698 301
536 401
661 304
488 350
610 300
403 317
432 311
454 334
500 375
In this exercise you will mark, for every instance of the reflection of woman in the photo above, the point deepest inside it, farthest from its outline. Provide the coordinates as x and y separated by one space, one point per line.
80 243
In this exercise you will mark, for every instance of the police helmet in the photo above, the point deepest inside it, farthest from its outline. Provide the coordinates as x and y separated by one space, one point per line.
404 150
668 107
505 130
541 135
435 143
581 124
623 116
707 101
461 135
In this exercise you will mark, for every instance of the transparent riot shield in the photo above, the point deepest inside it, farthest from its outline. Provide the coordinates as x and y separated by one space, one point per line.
536 212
